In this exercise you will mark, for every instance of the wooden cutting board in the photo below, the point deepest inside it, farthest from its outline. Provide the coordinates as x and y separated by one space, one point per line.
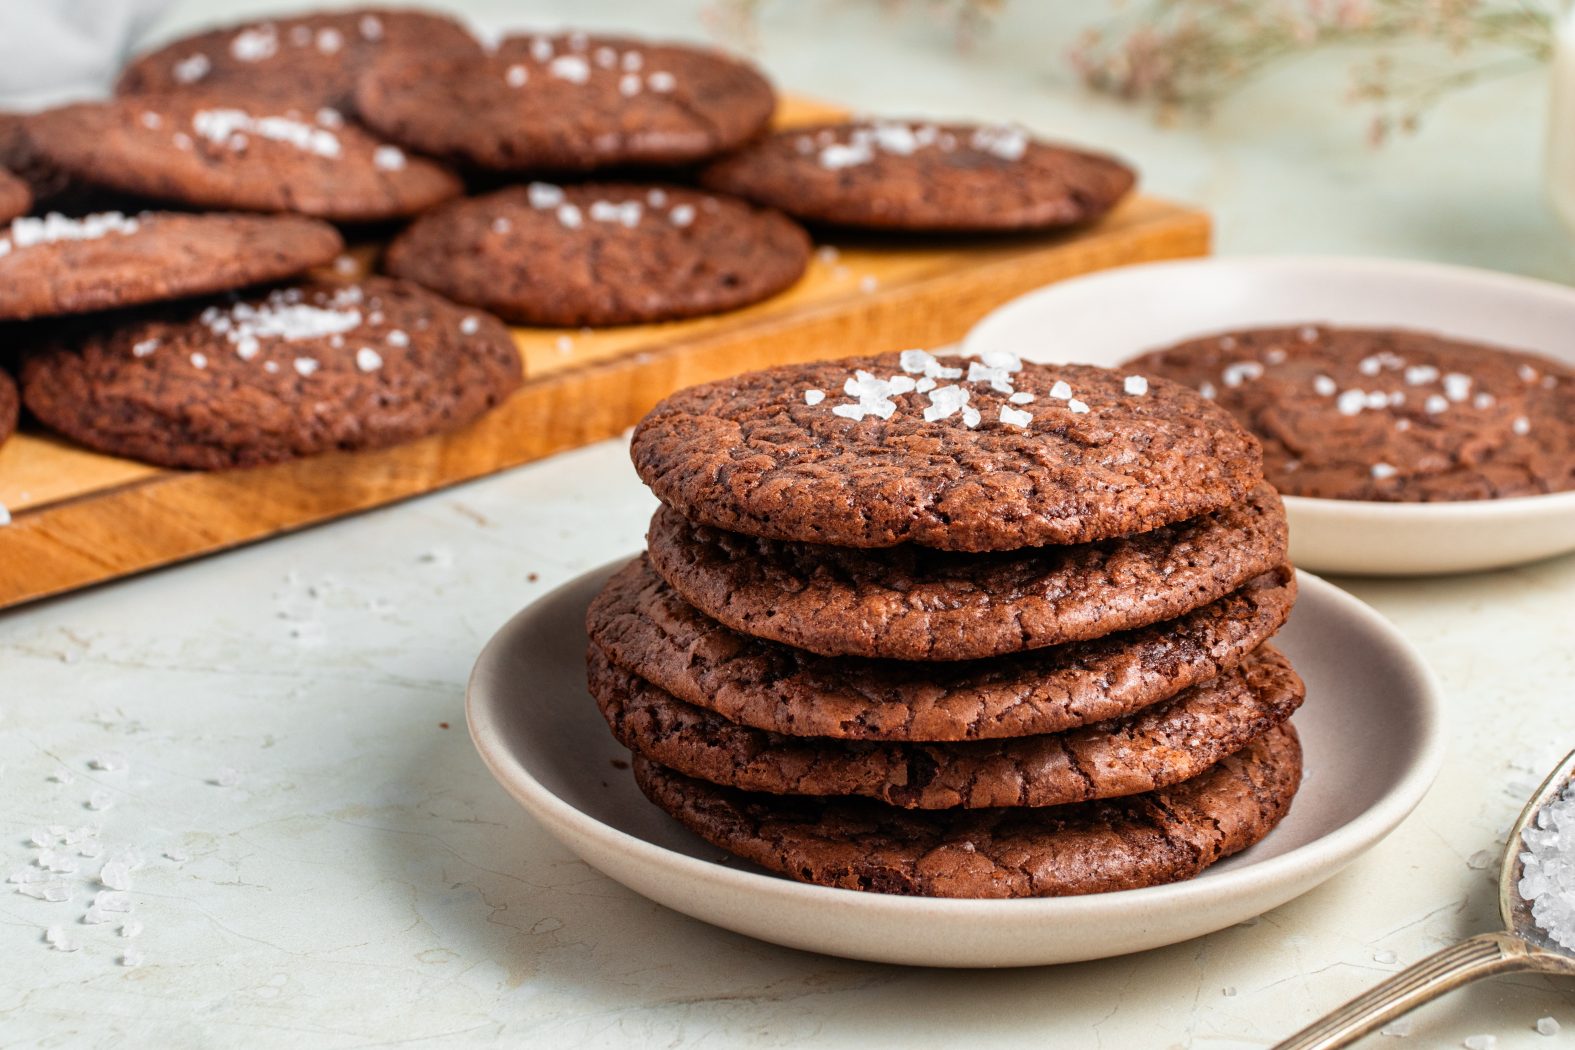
79 518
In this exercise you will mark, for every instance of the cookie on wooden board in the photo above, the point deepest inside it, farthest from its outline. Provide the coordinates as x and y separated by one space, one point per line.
1092 847
10 406
15 196
1387 414
311 59
916 603
1164 745
923 176
57 265
566 102
645 627
967 454
229 152
601 253
298 371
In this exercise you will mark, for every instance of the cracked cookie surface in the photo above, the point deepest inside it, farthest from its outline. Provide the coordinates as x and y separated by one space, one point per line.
778 453
1388 414
902 175
601 253
1091 847
645 627
915 603
566 103
300 370
224 151
1163 745
55 266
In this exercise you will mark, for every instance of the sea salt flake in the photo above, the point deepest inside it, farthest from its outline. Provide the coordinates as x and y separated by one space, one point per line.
1385 958
130 928
1384 470
1548 869
1417 375
109 763
1241 371
389 158
570 215
1323 386
118 901
1398 1029
541 49
1521 425
1229 991
814 397
1137 386
1000 379
661 82
1481 859
1350 402
192 68
945 401
307 365
101 799
632 61
220 126
1548 1026
682 215
1207 390
56 861
56 938
1022 397
1061 390
470 326
1479 1042
55 891
516 76
572 68
1457 387
1006 143
1435 404
1015 416
544 195
371 27
330 41
1077 407
254 45
131 957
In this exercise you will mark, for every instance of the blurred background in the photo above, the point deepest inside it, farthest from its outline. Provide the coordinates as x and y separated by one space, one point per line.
1411 128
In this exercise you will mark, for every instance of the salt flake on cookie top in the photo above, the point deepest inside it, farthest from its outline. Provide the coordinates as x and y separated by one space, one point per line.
915 455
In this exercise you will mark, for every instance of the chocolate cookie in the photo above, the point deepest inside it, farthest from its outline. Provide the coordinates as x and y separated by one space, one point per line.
601 254
230 153
958 454
913 603
1383 414
1164 745
298 371
570 102
1092 847
311 60
10 406
15 197
56 265
905 175
644 627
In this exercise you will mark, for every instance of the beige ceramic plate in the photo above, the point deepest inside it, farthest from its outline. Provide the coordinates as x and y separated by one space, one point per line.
1108 317
1370 727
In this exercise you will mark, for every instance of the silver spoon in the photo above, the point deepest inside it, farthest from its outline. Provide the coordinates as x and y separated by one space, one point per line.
1522 946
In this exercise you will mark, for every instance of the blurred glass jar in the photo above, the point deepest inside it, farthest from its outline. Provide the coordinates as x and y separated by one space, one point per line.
1561 118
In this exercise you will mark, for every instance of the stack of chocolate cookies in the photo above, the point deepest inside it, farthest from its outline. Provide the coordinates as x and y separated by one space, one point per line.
955 627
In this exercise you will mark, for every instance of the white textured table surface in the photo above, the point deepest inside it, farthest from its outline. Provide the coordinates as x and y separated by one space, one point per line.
352 876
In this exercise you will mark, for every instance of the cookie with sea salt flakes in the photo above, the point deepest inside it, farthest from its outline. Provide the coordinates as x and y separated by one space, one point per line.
1090 847
917 603
57 265
15 197
227 152
920 176
1388 414
951 453
601 253
1171 742
301 370
562 103
645 627
311 60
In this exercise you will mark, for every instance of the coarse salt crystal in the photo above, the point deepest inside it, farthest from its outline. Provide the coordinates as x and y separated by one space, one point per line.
1350 402
1457 387
470 326
1385 958
1521 426
1548 868
1384 470
1480 859
629 85
1022 397
226 777
1015 416
570 215
330 41
1237 373
130 928
307 365
368 360
541 49
131 957
1548 1026
388 158
661 82
192 68
371 27
1137 386
100 800
1435 404
682 215
814 397
1324 386
544 195
110 763
572 68
221 126
1061 390
1077 407
516 76
1479 1042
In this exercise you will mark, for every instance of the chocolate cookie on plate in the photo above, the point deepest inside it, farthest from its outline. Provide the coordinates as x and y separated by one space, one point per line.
917 603
1091 847
226 152
642 625
312 60
1152 749
1384 414
953 453
57 265
907 175
566 102
298 371
601 253
15 197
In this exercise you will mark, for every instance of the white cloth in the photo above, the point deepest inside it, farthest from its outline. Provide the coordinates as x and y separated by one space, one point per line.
54 51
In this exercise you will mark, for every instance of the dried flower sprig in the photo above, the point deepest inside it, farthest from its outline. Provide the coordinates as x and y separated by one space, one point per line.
1188 55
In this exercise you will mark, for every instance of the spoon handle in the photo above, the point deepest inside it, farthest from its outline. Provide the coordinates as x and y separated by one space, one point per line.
1480 956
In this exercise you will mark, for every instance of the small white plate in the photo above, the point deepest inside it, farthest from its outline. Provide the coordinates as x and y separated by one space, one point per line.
1107 317
1371 730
